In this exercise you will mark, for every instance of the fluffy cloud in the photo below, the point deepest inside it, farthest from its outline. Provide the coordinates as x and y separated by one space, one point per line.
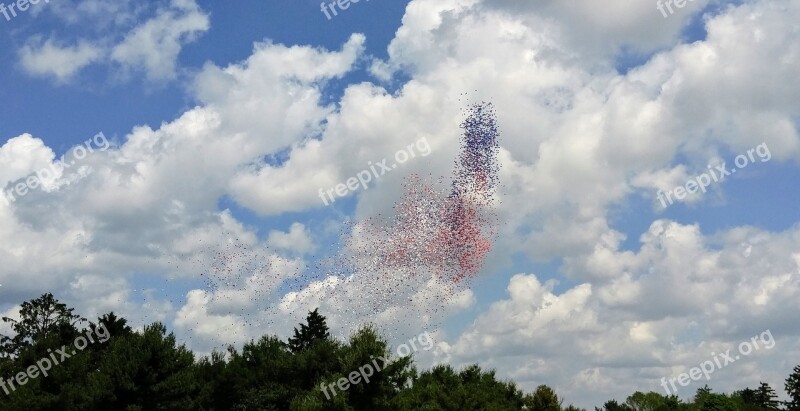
298 239
62 62
582 138
578 139
116 38
681 297
154 45
148 205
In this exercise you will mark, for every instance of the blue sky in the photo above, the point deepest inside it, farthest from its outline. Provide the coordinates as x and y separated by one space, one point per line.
227 118
75 111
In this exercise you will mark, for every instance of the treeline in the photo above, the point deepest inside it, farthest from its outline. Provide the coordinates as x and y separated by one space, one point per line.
57 360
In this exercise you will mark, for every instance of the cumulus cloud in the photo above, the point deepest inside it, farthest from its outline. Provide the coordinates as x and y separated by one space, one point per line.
120 35
579 138
150 204
682 296
61 62
154 45
298 239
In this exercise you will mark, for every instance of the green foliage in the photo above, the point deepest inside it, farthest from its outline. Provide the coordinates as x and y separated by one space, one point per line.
39 318
793 389
640 401
315 329
148 370
651 401
766 397
442 388
613 405
747 397
762 398
544 399
706 400
367 347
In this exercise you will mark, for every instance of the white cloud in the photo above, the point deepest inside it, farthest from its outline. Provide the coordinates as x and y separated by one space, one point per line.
61 62
154 45
298 239
22 156
119 35
6 328
578 139
681 288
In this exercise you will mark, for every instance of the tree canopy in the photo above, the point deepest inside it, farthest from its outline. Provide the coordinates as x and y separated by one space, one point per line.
147 369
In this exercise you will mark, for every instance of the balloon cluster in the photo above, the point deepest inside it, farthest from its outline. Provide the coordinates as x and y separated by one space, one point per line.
426 252
447 234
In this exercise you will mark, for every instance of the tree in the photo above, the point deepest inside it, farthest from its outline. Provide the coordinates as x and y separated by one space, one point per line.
391 377
793 389
316 330
705 400
146 371
116 326
442 388
69 383
613 405
39 318
544 399
766 397
748 396
264 376
701 394
651 401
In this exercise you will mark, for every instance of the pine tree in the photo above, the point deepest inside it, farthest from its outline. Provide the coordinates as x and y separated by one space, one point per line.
749 396
793 389
315 330
766 397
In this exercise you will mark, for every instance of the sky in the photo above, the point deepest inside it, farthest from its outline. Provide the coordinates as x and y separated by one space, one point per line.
208 128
